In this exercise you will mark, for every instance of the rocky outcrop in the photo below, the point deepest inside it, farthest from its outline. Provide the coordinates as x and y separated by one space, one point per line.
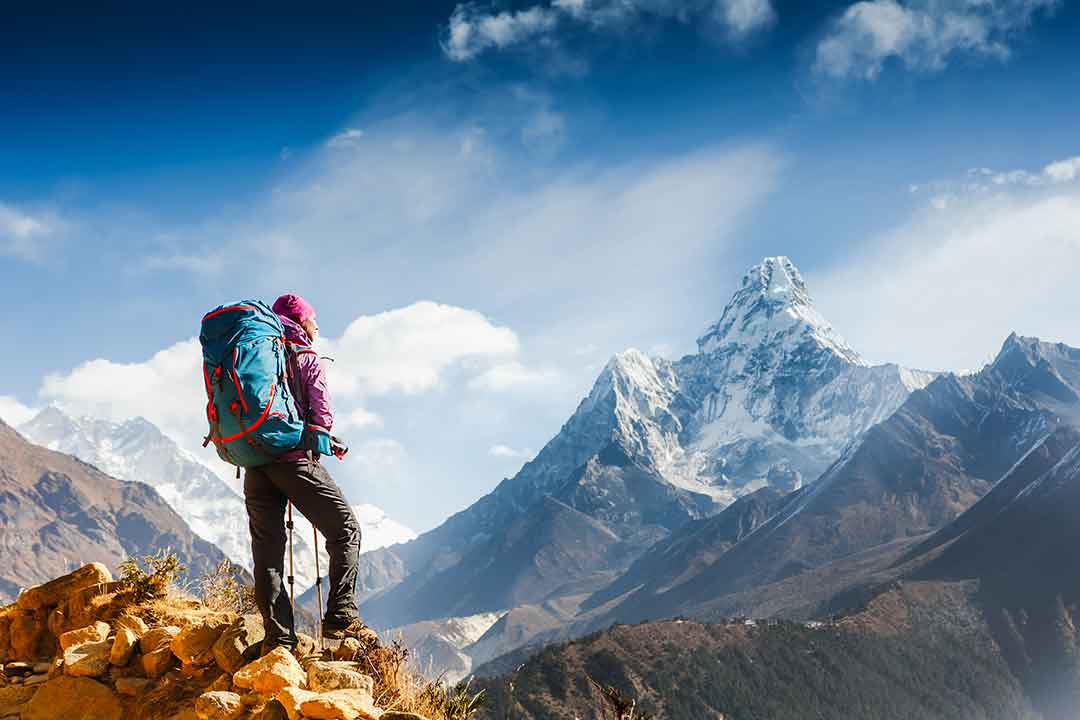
170 659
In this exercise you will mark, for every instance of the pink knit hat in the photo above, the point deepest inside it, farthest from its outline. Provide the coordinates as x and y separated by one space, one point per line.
294 307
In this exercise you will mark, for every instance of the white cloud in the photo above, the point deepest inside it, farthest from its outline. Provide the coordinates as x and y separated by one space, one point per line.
347 138
514 376
411 350
13 412
505 451
381 460
947 287
473 30
922 34
23 235
407 350
985 181
358 419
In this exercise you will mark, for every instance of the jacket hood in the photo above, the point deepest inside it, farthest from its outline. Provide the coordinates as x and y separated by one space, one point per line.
293 331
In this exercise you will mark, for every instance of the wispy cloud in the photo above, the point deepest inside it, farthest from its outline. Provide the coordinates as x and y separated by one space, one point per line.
23 235
14 412
944 288
474 29
505 451
347 138
921 34
985 181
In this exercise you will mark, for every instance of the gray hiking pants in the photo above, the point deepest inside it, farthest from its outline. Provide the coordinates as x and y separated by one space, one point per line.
267 490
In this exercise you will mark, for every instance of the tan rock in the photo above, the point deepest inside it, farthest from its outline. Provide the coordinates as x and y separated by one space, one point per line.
91 633
131 686
273 710
132 622
58 622
123 647
244 633
323 675
305 645
88 659
291 698
134 668
351 704
35 679
82 608
55 591
219 705
194 644
349 649
42 667
13 698
73 698
5 636
157 656
27 631
398 715
269 674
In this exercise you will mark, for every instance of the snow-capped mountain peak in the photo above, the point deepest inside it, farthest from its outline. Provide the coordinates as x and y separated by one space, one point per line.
773 305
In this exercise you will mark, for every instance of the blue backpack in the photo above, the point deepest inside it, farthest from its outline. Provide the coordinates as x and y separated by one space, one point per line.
252 415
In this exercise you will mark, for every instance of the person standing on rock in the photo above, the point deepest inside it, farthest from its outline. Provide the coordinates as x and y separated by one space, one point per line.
299 477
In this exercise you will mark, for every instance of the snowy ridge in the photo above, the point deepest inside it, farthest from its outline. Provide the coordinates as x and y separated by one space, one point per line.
136 450
773 396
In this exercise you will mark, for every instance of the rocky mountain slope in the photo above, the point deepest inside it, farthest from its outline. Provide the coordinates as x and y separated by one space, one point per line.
910 475
772 398
919 651
1019 542
57 512
137 450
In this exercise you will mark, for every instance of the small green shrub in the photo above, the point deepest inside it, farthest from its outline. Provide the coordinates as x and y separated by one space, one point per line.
152 582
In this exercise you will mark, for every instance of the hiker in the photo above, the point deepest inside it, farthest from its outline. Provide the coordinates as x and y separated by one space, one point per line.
298 476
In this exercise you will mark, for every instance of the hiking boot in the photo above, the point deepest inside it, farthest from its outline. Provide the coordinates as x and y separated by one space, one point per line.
354 629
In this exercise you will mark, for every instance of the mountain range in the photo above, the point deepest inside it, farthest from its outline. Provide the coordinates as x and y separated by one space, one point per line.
58 513
137 450
970 617
773 397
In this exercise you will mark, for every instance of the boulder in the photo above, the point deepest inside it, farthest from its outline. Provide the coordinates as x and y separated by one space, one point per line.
35 679
57 590
219 705
351 704
194 644
349 649
18 669
123 647
91 633
57 622
157 656
323 675
88 659
73 698
13 697
131 686
132 622
245 633
291 698
269 674
305 645
27 630
273 710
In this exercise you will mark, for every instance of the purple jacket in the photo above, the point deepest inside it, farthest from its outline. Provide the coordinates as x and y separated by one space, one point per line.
311 385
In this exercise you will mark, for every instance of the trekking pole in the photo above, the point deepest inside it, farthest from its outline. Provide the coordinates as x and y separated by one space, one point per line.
292 580
318 587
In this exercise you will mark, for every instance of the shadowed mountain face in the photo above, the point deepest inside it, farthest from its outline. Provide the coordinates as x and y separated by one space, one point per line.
58 513
771 399
909 476
1020 542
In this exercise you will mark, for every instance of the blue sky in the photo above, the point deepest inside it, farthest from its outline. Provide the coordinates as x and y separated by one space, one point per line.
485 202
